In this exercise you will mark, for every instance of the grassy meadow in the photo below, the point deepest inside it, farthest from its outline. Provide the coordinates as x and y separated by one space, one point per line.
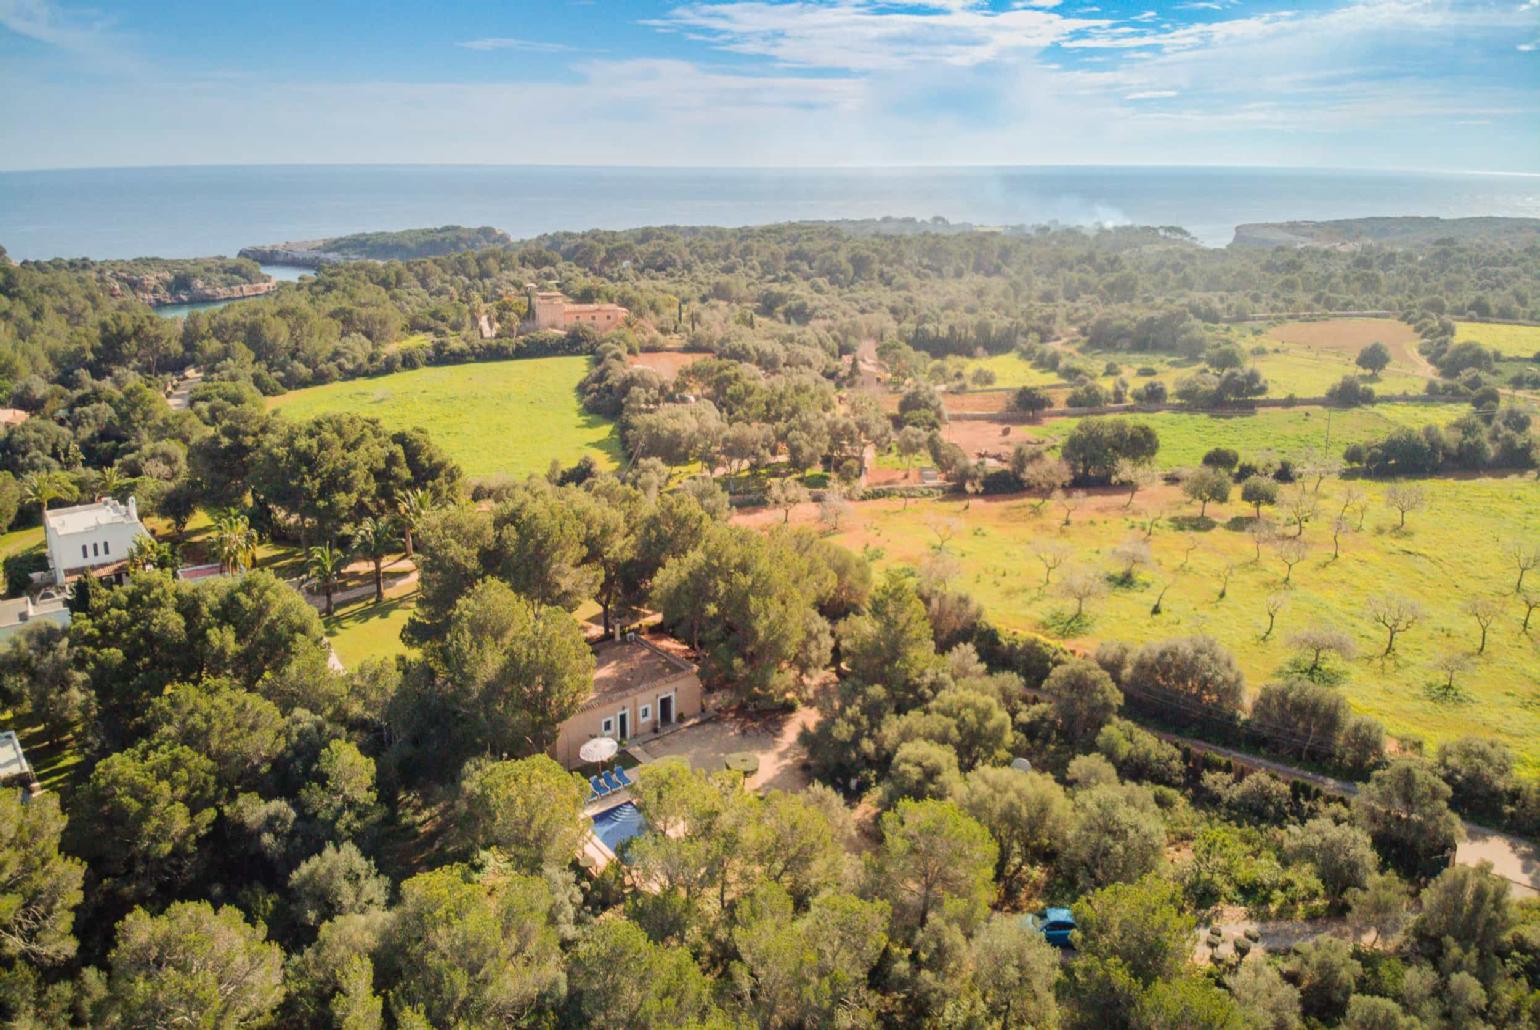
1514 341
1286 432
498 417
1449 554
1299 358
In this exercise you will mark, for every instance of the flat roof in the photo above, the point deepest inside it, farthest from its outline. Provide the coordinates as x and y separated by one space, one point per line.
83 518
13 609
12 762
626 666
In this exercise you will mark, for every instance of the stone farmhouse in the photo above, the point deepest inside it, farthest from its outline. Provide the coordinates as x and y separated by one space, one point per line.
550 309
640 689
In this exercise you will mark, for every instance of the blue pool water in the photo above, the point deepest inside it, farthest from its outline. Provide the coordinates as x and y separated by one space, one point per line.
617 825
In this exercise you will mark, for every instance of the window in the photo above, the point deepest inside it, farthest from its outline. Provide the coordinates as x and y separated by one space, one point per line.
94 551
83 552
646 712
106 546
607 727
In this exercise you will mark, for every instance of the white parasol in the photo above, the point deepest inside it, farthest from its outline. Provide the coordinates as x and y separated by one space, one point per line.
600 749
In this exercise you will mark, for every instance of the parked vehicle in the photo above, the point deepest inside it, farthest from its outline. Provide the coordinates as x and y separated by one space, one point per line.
1055 924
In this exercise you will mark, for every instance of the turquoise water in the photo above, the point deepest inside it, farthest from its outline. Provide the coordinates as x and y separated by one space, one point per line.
617 825
283 273
195 212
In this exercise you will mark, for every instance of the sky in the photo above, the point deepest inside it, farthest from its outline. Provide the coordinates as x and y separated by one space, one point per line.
1446 85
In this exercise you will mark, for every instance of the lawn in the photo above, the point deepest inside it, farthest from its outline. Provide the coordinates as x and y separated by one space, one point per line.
1286 432
1450 553
1012 371
498 417
1517 341
367 630
19 541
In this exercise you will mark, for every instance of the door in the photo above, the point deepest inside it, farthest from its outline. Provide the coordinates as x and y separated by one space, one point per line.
666 710
624 723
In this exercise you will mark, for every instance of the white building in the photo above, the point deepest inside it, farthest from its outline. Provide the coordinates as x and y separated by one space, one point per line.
17 613
89 536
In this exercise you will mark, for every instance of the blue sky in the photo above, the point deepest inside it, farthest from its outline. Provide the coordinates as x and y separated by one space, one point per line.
1419 84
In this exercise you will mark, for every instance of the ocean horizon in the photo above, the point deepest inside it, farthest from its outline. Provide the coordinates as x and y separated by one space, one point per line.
198 211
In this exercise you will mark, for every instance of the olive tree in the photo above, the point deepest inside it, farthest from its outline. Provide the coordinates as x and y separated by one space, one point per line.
1405 810
1395 615
1207 486
1318 641
1405 499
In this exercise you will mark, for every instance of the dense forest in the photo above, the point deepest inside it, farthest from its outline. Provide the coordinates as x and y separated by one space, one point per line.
946 292
400 245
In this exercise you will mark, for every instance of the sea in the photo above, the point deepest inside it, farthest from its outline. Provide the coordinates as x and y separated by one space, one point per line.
205 211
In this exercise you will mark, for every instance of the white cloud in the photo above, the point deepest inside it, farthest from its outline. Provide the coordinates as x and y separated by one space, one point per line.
1369 82
869 35
513 43
49 23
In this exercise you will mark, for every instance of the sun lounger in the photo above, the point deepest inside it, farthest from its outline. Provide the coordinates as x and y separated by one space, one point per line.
600 788
612 783
622 778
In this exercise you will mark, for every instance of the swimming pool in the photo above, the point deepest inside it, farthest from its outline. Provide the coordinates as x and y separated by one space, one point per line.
617 825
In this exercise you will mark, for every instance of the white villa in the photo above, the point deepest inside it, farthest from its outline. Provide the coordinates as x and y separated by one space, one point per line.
89 536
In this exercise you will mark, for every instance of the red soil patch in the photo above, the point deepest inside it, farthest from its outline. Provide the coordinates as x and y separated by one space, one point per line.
984 439
983 401
666 363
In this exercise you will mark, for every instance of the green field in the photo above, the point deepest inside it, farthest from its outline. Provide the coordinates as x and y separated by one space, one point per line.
1516 341
1012 371
1450 553
498 417
368 630
18 541
1285 432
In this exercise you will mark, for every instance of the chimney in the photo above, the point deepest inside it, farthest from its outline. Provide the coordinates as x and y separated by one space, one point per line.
133 508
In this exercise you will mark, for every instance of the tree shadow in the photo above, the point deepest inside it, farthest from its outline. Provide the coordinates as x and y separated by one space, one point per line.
1446 693
1066 622
1192 523
1327 674
1124 581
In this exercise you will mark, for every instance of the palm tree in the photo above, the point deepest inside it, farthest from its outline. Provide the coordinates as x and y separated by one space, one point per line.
375 539
110 482
43 488
325 565
235 541
149 553
410 510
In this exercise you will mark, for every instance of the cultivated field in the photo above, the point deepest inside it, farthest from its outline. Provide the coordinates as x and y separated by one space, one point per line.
666 363
1450 554
1515 341
498 417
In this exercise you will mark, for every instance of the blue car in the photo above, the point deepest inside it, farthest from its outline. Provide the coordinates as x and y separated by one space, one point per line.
1055 924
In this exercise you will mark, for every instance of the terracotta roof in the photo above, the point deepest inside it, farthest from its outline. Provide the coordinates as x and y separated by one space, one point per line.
624 667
